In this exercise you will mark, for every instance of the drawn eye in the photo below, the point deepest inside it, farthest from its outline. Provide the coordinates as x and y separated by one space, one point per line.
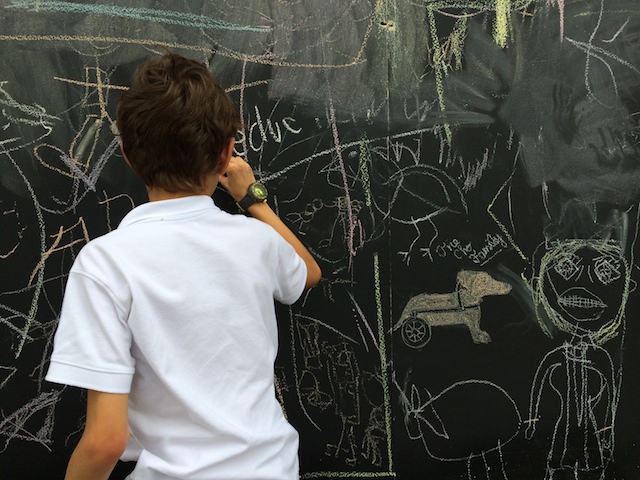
568 266
607 269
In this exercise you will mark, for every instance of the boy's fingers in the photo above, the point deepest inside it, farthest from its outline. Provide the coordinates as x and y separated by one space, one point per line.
237 178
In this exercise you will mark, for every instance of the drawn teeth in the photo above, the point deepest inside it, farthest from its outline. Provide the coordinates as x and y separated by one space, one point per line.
580 302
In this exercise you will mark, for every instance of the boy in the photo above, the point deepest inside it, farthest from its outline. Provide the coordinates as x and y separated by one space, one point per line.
169 321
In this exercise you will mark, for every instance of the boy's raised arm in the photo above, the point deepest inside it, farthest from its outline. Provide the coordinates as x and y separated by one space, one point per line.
236 181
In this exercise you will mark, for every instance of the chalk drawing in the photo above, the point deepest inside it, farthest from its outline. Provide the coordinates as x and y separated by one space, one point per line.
146 14
14 113
583 287
441 422
389 169
460 307
40 411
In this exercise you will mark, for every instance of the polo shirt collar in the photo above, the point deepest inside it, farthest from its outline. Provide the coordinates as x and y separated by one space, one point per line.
168 209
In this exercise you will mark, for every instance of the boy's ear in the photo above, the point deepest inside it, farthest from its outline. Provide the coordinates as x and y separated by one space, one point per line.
124 154
225 156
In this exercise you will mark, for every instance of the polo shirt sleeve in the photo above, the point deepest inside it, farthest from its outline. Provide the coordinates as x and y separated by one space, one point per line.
93 341
291 274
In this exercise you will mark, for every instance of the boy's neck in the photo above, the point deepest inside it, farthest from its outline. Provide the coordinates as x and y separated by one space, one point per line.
155 194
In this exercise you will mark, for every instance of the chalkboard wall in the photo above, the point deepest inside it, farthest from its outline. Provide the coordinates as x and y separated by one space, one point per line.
466 172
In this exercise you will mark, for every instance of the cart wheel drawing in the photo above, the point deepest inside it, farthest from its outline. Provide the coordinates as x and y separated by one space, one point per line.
416 333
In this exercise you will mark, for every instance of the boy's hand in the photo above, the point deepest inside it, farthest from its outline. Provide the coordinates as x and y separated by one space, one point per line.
237 178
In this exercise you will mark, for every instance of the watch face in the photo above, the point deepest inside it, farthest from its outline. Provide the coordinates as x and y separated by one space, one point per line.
259 191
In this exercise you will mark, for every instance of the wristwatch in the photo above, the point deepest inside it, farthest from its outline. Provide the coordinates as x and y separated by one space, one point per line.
257 193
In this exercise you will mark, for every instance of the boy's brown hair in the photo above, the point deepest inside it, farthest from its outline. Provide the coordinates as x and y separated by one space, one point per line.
174 121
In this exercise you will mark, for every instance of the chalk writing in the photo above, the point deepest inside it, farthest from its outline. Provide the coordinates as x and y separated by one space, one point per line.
493 245
264 130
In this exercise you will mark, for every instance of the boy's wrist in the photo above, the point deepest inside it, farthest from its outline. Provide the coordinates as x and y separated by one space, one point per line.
255 209
256 193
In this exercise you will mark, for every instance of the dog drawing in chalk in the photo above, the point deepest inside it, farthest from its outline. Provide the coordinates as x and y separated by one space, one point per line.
461 307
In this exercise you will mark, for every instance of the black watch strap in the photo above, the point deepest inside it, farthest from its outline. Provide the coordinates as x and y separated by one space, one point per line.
245 202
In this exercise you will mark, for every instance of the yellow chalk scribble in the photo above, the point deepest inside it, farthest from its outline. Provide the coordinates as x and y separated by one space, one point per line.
56 247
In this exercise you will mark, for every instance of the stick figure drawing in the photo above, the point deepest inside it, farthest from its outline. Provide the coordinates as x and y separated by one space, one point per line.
582 287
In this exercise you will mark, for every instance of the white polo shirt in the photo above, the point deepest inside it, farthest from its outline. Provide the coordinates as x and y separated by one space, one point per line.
176 308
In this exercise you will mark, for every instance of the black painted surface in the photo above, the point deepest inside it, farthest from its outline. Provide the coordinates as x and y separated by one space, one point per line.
404 142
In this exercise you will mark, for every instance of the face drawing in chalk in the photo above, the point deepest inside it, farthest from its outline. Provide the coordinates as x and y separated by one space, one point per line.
583 287
460 307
